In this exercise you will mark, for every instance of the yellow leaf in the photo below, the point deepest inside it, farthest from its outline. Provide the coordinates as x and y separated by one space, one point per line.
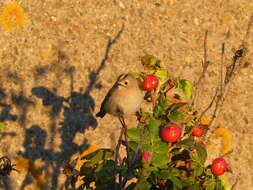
225 183
93 185
227 17
211 146
34 167
205 120
227 138
188 59
12 17
51 53
92 148
22 164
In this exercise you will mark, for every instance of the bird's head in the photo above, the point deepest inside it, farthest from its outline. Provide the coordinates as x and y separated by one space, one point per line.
127 81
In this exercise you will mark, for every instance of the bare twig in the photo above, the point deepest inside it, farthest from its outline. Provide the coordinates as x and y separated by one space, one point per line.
125 136
236 181
231 71
123 131
221 69
117 156
208 107
248 29
135 156
205 65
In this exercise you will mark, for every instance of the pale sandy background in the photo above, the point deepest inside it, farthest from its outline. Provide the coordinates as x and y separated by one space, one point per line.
64 49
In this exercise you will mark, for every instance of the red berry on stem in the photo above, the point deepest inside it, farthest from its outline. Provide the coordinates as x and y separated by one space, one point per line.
146 156
150 82
171 132
219 166
197 132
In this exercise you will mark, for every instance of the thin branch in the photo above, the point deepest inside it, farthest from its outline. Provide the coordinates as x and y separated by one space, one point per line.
135 156
236 181
221 69
125 136
205 49
248 29
123 131
208 107
205 65
117 156
231 71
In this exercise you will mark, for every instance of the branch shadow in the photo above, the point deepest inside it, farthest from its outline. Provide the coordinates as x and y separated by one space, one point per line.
5 114
77 110
6 183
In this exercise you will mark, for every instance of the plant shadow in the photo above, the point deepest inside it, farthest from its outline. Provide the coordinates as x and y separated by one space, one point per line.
77 110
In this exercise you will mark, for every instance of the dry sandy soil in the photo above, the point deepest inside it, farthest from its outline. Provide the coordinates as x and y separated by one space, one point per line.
73 50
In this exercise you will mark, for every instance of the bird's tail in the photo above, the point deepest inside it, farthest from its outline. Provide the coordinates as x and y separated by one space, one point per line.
101 114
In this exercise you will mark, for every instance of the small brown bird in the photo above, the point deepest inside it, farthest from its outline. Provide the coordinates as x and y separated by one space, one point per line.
123 99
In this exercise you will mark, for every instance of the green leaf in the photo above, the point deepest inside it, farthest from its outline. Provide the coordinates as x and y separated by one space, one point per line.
186 143
131 186
198 170
153 61
176 116
149 60
201 153
169 173
196 158
160 147
137 75
176 182
185 86
104 172
195 186
162 74
158 111
2 126
159 160
147 147
86 170
176 106
175 172
133 145
162 101
187 181
153 177
142 185
210 184
209 172
151 169
101 154
164 174
134 134
218 185
153 126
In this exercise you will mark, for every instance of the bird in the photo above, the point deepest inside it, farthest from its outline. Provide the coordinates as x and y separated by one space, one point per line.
123 99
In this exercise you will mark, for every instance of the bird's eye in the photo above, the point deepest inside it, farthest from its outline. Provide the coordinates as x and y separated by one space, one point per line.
126 83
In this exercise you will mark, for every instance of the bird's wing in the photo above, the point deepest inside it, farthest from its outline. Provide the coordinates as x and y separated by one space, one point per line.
102 111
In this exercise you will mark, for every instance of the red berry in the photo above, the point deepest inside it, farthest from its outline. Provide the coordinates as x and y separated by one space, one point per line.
146 156
150 82
198 132
171 132
219 166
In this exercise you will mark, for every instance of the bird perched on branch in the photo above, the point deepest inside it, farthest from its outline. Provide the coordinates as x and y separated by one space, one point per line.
123 99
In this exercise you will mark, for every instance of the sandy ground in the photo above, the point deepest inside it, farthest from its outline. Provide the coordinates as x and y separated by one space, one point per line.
57 69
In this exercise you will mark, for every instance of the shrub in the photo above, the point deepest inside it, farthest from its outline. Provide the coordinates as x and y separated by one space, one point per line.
151 162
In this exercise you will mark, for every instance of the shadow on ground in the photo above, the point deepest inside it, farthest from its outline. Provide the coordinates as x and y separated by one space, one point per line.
77 110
